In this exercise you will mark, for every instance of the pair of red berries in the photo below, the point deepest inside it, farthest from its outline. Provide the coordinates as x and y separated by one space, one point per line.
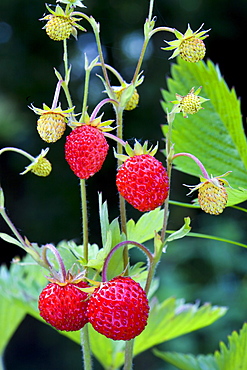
117 309
141 180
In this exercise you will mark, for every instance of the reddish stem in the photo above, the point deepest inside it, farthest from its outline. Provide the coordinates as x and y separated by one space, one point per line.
62 271
198 162
122 244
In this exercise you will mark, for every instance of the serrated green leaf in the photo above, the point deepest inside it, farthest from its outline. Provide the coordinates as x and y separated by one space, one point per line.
174 318
11 315
188 362
144 229
167 320
233 357
215 134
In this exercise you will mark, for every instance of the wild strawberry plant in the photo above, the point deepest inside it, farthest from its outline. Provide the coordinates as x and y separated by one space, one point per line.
94 294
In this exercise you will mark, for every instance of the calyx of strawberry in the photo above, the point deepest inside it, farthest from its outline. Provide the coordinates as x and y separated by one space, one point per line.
137 150
104 126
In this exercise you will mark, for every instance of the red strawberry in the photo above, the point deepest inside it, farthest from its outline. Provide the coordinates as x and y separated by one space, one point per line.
64 306
119 309
143 182
85 150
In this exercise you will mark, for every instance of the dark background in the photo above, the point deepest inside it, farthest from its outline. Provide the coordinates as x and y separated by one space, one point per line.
48 209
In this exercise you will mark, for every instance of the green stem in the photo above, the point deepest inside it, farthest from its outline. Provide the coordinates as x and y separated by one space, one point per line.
85 94
150 12
87 360
84 218
113 70
65 59
23 244
14 230
128 355
20 151
158 29
84 331
139 64
170 119
65 83
122 203
147 28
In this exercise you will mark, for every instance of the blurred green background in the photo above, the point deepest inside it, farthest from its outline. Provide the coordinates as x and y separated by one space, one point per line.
48 209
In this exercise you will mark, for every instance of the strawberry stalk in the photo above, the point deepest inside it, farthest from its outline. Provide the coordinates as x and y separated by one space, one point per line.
61 274
169 153
198 162
84 218
123 244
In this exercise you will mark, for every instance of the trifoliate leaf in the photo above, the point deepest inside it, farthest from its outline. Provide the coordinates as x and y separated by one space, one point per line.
215 134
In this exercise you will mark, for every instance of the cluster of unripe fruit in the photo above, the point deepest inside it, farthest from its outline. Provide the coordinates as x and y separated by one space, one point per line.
117 309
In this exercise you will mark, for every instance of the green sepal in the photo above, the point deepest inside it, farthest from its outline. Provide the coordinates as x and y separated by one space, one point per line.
183 231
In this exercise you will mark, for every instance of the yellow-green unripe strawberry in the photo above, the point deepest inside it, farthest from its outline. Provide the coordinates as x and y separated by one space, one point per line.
51 126
132 102
52 122
61 23
58 28
190 104
42 167
192 50
189 45
39 165
212 198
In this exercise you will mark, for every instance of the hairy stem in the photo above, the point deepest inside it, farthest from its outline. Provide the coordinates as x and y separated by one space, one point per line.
84 218
122 204
87 359
123 245
198 162
170 119
128 355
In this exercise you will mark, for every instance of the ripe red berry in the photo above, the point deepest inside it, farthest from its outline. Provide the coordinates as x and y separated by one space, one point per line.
119 309
85 150
64 306
143 182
